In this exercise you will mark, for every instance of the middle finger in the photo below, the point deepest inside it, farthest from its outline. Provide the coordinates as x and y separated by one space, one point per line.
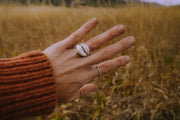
110 51
110 34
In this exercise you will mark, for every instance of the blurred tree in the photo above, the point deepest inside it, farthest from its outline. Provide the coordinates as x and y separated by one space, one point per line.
104 2
69 2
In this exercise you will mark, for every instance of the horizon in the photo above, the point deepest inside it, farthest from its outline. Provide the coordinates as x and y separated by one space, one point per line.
164 2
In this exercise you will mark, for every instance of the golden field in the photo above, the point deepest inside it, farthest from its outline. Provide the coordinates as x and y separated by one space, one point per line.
146 89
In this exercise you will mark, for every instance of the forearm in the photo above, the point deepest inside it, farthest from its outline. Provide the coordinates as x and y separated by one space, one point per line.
27 86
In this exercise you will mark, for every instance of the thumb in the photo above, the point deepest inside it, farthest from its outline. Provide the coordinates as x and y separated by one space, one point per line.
84 90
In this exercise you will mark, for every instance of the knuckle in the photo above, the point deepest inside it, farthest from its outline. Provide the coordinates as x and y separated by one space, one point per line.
119 61
93 44
75 84
117 30
105 53
107 67
86 28
111 33
123 46
77 37
127 42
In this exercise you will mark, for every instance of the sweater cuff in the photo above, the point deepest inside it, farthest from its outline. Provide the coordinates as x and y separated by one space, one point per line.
27 86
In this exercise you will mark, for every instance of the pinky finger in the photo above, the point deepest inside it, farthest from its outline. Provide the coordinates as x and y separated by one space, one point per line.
84 90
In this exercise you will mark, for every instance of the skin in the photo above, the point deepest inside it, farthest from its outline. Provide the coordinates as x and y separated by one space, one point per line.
73 73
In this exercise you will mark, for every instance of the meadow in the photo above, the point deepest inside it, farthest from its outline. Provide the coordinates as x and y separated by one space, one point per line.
148 88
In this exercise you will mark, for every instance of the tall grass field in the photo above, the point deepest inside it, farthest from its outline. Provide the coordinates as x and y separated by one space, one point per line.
148 88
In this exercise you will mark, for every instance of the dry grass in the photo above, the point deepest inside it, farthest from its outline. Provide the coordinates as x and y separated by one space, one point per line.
146 89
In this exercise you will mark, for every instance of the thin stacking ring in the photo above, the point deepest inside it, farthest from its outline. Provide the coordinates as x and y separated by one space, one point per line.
99 70
83 49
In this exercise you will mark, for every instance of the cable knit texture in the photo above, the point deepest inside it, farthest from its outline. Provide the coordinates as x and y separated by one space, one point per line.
27 86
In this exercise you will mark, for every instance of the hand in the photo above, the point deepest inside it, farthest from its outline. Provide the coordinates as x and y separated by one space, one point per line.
73 73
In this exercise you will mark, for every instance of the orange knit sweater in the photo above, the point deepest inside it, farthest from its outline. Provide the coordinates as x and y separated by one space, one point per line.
27 86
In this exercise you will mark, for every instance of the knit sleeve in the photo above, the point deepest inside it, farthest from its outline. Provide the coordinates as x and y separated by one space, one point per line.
27 86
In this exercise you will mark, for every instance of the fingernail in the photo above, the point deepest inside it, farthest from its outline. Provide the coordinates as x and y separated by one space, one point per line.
95 90
132 39
127 58
121 28
94 20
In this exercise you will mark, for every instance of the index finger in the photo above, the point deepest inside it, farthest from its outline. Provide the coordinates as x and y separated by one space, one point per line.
79 34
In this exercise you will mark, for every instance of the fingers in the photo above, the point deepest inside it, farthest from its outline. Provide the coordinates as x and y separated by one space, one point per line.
110 51
78 35
109 66
84 90
87 88
99 40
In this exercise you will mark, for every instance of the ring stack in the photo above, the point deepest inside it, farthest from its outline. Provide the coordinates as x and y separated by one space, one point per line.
83 49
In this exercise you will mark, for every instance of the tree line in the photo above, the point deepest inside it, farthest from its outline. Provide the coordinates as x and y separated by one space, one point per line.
66 2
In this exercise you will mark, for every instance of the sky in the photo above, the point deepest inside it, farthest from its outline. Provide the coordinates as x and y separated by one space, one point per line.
165 2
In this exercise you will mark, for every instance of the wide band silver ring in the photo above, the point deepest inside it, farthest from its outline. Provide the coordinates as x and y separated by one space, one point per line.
99 70
83 49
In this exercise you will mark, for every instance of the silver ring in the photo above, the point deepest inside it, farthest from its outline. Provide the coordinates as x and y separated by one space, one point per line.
99 70
83 49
